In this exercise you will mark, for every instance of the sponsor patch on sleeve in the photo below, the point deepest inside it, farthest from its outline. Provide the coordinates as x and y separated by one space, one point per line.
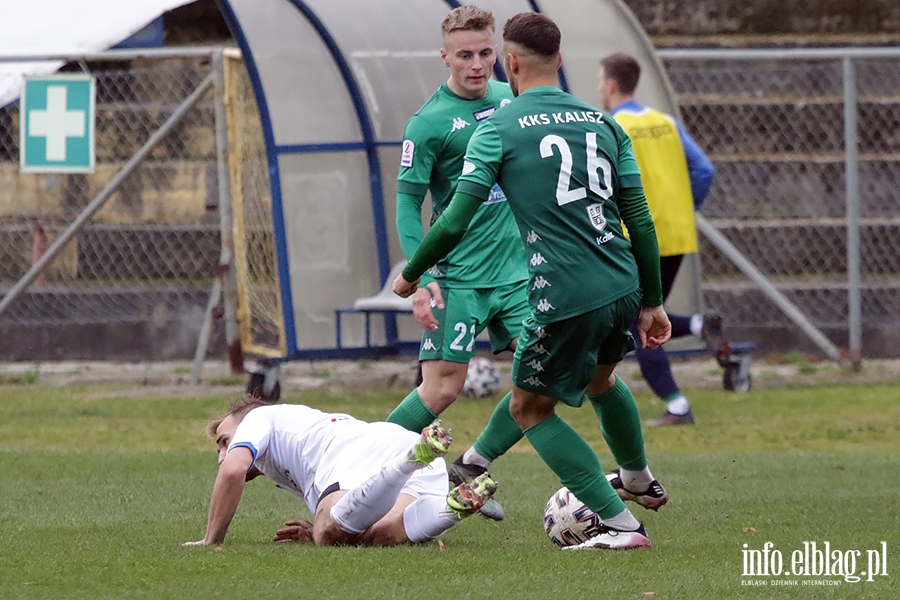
406 159
467 167
484 113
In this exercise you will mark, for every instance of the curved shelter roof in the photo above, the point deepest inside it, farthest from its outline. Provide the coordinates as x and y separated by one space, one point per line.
335 83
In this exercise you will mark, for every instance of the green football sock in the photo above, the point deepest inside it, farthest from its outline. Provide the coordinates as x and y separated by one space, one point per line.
576 465
412 413
620 423
501 433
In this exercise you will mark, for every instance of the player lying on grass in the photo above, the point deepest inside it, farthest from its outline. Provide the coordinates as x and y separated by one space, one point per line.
366 483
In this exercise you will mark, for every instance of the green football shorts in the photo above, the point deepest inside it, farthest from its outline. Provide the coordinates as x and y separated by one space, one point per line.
467 313
558 359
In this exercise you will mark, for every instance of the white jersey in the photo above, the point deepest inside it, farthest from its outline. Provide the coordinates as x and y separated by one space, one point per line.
305 451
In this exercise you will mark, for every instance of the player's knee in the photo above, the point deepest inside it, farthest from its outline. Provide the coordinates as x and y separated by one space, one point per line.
528 412
387 532
441 390
331 534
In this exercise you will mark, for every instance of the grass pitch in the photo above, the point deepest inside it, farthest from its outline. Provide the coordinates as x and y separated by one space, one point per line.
99 489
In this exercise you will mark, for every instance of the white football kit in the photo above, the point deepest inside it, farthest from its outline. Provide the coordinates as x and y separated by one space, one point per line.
307 451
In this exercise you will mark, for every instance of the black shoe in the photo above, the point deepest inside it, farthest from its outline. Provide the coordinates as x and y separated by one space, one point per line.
672 419
460 472
655 496
712 334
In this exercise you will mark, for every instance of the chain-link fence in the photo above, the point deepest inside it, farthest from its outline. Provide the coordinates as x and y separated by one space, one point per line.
262 322
788 189
150 253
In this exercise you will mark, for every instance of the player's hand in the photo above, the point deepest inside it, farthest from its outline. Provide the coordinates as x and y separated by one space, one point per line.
424 300
298 530
404 288
197 543
654 327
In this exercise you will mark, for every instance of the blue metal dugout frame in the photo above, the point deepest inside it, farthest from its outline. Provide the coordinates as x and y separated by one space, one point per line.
369 144
274 151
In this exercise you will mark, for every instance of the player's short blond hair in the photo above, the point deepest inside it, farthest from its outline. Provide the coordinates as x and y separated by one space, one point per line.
467 18
239 408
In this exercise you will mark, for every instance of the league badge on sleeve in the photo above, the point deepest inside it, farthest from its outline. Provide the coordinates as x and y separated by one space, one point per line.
406 159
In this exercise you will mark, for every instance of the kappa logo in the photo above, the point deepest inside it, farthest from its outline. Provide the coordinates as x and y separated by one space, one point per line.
540 283
536 365
459 123
534 382
539 349
428 345
545 306
538 259
409 148
532 237
541 333
435 272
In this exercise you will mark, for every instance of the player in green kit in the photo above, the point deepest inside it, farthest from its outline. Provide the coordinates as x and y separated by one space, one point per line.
481 284
569 175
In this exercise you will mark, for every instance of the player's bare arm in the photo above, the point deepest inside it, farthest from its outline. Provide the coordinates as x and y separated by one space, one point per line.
226 496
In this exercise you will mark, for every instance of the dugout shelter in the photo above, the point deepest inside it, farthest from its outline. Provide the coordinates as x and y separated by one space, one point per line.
334 84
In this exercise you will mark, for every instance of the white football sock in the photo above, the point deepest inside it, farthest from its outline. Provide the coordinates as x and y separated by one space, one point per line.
364 505
696 324
427 518
471 457
636 481
678 405
624 521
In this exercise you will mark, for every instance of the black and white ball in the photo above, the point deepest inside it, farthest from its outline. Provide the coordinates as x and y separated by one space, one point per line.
568 521
482 378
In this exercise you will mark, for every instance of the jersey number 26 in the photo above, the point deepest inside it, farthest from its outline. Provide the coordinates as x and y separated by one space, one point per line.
595 165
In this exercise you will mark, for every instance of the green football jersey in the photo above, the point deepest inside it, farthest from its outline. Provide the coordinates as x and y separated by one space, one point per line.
434 144
561 163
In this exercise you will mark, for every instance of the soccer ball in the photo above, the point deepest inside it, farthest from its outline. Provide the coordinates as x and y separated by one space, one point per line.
482 379
568 521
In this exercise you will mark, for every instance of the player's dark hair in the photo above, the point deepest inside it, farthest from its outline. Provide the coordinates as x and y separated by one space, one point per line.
239 407
623 69
534 32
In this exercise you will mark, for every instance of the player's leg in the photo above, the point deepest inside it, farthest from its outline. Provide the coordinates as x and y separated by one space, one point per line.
556 362
509 308
365 504
444 355
621 427
655 365
424 509
620 421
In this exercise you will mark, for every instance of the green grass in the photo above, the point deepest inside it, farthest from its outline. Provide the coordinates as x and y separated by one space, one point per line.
29 377
98 489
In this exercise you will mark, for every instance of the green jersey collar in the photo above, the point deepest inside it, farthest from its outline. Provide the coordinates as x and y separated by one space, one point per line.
542 89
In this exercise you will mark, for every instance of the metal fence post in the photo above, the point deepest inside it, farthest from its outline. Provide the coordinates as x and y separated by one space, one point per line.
851 178
226 279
